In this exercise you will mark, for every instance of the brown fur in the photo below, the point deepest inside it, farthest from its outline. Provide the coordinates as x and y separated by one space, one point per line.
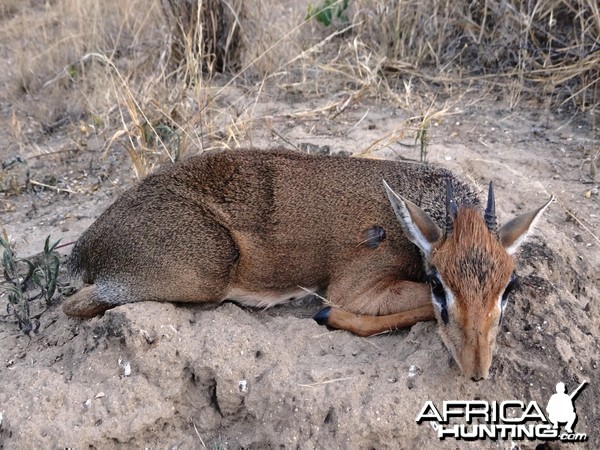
257 226
470 266
473 263
257 221
476 269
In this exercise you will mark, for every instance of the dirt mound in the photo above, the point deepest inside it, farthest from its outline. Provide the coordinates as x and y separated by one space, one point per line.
154 374
158 375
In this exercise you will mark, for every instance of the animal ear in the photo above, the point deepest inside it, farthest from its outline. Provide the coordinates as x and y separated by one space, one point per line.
417 225
513 233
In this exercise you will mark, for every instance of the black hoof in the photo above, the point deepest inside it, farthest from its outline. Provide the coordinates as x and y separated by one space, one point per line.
322 316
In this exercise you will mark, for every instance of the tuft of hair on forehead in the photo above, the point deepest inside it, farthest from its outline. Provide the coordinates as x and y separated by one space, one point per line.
472 262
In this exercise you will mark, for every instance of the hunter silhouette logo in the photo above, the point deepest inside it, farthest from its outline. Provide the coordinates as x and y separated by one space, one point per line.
560 407
509 419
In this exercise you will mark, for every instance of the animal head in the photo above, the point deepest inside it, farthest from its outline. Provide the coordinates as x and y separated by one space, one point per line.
470 269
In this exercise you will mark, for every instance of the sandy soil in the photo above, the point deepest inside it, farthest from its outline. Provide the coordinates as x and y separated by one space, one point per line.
168 376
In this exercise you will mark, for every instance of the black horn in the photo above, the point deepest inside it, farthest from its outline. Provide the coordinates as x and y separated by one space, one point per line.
490 210
450 206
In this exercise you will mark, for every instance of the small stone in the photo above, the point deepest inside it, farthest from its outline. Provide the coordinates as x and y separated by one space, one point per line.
125 367
413 371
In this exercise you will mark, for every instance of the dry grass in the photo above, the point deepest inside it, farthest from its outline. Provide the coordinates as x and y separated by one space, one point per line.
205 36
546 47
144 75
52 80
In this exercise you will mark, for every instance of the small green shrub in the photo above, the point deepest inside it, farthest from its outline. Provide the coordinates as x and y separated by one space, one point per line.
422 139
28 283
329 11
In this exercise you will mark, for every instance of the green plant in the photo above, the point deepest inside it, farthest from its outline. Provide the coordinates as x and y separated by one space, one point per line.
422 139
328 11
422 135
22 276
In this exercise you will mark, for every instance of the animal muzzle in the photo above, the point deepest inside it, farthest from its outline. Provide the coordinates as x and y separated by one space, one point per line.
476 359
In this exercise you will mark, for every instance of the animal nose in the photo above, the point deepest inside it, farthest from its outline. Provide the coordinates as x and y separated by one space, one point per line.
479 374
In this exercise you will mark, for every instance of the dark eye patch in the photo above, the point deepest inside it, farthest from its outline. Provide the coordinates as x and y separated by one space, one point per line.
510 287
439 295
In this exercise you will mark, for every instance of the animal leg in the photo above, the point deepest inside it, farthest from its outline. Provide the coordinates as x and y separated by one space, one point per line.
85 304
363 325
402 305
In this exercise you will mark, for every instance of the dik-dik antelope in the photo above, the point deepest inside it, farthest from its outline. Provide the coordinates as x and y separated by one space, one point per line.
259 227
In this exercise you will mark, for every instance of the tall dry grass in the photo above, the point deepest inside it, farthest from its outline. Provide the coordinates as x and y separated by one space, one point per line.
205 35
145 76
51 76
550 47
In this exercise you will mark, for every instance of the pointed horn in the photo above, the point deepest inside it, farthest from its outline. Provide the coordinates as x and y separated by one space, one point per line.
490 210
450 206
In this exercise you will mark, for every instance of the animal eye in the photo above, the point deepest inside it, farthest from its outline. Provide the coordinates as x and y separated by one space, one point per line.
439 294
437 288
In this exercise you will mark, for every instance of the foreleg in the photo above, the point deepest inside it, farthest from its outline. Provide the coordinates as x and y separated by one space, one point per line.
380 310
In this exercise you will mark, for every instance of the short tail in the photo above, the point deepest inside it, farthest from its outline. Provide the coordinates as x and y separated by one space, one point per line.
75 264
